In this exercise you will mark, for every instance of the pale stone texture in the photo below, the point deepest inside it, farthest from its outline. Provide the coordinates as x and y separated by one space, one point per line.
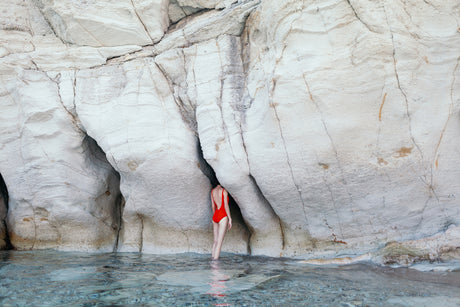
352 132
23 16
107 23
333 124
177 12
49 53
210 100
218 4
205 26
62 192
27 42
130 111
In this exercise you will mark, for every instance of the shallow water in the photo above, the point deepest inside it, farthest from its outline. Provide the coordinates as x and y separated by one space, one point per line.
48 278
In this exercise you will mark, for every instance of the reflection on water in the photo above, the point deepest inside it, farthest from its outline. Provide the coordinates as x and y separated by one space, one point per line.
217 280
48 278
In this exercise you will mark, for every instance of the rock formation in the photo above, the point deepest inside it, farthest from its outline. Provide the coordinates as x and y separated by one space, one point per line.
333 125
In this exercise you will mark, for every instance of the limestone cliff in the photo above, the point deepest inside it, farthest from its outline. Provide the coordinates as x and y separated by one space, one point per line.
334 125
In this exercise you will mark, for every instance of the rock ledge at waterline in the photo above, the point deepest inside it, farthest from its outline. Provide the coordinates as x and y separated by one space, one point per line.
334 125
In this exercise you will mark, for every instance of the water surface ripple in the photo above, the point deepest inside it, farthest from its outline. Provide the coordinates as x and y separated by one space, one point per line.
49 278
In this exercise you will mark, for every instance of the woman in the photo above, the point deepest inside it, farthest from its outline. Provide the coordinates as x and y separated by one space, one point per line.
221 218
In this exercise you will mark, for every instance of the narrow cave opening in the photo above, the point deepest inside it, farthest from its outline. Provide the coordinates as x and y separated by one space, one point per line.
4 199
204 166
4 191
99 158
209 172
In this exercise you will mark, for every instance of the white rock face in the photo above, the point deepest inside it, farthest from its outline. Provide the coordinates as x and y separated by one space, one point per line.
357 120
177 12
62 192
167 195
23 16
210 96
107 23
206 26
218 4
49 53
334 125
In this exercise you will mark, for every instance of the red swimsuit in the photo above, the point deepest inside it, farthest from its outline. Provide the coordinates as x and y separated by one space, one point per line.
219 213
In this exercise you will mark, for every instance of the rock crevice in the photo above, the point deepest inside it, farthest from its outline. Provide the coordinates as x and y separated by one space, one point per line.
4 237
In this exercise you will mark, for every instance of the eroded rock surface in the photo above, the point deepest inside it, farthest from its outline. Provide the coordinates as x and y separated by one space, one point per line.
352 110
62 192
333 125
210 96
107 23
167 195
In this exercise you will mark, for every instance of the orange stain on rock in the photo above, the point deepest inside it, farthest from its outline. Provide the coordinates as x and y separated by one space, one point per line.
27 219
381 107
382 161
338 241
426 59
403 152
132 165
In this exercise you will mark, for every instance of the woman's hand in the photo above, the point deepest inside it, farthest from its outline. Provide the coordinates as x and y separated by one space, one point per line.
229 224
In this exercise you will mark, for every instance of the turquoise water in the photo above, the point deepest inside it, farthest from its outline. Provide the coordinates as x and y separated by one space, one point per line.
47 278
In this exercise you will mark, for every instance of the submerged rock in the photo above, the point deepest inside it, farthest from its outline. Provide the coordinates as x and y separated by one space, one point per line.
215 282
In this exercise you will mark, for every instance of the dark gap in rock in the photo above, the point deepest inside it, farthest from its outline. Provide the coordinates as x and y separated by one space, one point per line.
192 12
205 168
99 157
119 207
4 198
237 216
235 211
4 191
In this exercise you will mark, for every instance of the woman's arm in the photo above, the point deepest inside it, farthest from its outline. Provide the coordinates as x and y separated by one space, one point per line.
227 209
212 204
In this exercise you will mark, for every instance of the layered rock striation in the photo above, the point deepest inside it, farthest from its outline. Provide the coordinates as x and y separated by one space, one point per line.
333 125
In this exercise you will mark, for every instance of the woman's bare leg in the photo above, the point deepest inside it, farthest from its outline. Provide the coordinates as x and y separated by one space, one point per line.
215 227
222 229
